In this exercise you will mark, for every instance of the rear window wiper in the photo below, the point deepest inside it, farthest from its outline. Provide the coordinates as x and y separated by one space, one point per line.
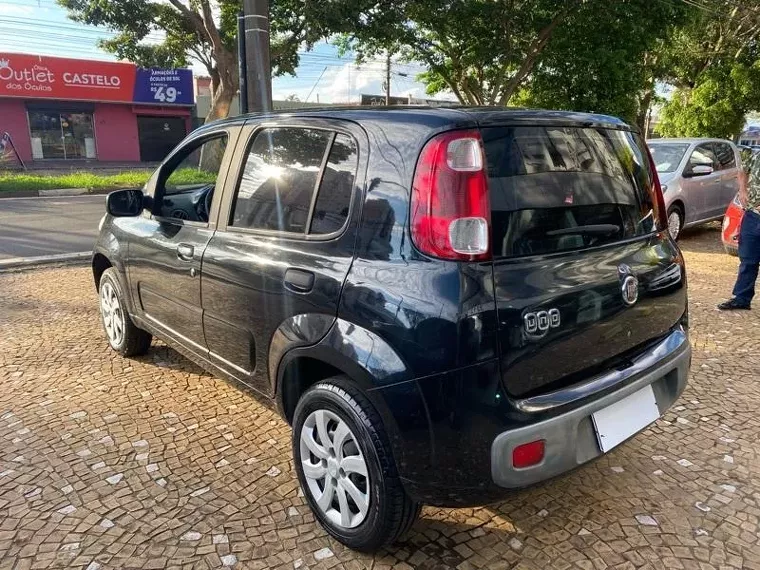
593 229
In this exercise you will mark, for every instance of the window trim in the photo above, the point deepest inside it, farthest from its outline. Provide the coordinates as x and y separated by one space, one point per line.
304 236
202 139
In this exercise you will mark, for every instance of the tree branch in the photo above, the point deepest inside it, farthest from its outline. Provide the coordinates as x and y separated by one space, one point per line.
192 17
534 51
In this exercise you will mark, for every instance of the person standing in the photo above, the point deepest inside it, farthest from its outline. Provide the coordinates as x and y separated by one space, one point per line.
749 234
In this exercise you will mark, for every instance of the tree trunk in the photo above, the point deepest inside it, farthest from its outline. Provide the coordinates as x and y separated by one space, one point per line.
645 102
224 86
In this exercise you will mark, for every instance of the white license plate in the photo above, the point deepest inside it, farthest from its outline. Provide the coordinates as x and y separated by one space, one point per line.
616 423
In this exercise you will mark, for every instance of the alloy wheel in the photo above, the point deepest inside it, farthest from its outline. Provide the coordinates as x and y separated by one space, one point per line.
335 469
674 224
113 317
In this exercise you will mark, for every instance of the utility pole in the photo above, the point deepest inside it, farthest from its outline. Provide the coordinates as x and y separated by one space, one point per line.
388 79
242 92
258 71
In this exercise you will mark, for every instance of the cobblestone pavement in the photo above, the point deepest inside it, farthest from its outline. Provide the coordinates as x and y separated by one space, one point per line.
153 463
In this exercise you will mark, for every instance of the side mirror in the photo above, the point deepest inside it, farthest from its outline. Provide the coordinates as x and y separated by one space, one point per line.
701 170
125 203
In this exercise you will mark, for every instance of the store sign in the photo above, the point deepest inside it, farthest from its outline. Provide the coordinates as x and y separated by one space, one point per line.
35 76
162 86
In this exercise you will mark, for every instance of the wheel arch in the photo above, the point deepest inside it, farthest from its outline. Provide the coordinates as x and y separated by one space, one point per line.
99 265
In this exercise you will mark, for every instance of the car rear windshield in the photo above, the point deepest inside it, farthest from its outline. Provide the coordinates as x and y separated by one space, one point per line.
667 156
557 189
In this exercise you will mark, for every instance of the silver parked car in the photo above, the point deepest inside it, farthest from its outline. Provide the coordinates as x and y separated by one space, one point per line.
699 178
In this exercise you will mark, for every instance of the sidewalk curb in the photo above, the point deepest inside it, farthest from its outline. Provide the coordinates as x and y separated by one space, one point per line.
59 192
15 263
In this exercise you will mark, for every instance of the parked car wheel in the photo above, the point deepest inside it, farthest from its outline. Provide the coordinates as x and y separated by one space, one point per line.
345 466
123 335
675 221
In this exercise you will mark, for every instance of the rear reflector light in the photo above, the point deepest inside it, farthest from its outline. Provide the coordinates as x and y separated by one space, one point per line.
528 454
451 213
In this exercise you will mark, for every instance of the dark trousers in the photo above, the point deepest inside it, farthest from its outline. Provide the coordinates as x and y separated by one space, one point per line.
749 256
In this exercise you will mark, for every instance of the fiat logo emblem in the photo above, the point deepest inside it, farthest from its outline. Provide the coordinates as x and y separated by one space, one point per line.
630 290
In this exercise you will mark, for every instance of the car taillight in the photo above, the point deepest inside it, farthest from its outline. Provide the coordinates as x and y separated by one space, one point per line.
451 213
660 213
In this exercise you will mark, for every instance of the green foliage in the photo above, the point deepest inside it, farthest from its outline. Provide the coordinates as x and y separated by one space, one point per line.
716 106
481 50
601 59
713 60
10 181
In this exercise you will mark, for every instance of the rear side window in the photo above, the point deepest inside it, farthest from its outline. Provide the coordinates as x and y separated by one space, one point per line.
334 196
557 189
725 155
279 179
296 180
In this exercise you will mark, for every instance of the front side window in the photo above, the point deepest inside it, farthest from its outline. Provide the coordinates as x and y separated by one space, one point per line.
187 183
564 188
703 155
296 180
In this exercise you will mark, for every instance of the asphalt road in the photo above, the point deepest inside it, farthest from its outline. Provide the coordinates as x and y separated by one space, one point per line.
31 227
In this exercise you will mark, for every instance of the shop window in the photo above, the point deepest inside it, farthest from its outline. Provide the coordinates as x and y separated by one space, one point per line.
62 135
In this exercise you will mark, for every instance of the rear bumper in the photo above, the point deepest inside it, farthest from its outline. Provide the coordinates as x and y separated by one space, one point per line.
570 438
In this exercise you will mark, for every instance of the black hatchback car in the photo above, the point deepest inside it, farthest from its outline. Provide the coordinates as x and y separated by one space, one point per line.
446 304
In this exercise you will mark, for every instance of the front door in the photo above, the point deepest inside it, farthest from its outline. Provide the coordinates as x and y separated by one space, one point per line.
166 247
700 189
285 240
728 181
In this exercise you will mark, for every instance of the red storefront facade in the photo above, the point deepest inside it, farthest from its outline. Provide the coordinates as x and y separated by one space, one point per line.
69 109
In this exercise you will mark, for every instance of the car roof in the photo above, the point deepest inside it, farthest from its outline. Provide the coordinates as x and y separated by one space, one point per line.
440 116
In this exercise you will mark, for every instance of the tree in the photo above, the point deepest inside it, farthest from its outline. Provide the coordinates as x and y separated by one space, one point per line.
604 59
713 61
205 32
481 50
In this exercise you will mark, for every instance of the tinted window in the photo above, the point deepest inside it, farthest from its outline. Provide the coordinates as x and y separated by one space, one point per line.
667 156
725 155
279 179
556 188
702 156
189 179
336 187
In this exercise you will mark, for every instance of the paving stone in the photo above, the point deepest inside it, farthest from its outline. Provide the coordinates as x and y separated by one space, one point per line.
635 508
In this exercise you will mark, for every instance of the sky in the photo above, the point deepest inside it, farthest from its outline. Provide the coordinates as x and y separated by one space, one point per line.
41 27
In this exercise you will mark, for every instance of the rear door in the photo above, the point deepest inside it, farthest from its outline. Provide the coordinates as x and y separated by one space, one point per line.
285 241
572 221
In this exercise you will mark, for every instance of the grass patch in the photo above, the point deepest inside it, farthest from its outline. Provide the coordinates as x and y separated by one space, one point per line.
10 181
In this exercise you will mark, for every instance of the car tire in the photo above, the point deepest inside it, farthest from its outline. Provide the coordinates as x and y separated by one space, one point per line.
122 334
675 222
337 408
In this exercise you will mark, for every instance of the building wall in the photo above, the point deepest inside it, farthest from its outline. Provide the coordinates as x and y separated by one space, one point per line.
116 133
13 120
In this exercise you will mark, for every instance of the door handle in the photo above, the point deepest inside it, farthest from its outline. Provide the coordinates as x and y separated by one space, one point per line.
299 280
185 252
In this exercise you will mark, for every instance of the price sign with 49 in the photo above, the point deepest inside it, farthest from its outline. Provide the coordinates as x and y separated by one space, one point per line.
165 94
